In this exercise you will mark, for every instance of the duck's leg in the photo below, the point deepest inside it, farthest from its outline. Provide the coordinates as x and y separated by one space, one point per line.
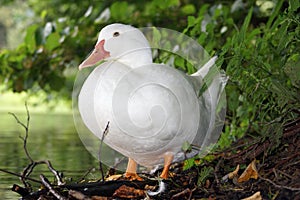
131 170
168 157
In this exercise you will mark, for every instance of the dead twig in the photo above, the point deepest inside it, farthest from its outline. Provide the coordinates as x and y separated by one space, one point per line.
26 127
283 173
50 188
20 190
290 129
29 168
50 167
85 174
107 188
279 186
286 162
19 175
181 194
105 132
216 170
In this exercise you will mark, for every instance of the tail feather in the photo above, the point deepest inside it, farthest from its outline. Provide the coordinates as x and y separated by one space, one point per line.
205 69
211 98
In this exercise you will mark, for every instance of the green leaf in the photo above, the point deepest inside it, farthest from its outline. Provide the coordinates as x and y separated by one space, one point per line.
52 41
282 31
179 62
191 21
39 36
186 147
203 9
202 38
292 69
253 33
294 5
121 11
233 97
203 175
30 39
165 4
188 163
56 82
156 38
275 13
118 9
190 68
245 26
188 9
44 14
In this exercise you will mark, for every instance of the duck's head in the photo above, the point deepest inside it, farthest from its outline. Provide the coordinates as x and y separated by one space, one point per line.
120 42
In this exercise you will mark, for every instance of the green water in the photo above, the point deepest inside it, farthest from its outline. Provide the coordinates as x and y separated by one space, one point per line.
52 137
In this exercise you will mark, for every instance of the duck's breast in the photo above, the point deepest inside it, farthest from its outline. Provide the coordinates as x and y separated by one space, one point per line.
152 109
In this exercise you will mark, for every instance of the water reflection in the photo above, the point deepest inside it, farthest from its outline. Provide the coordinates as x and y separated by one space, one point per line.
52 137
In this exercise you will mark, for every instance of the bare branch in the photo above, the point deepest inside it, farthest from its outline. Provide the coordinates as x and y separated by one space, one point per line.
29 168
18 121
26 127
19 175
86 173
56 173
20 190
105 132
186 192
279 186
28 116
50 188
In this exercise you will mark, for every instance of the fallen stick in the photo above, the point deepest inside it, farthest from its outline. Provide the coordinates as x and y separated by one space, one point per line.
50 188
20 176
107 188
20 190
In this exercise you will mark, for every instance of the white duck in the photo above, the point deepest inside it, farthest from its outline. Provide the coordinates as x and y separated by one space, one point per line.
152 108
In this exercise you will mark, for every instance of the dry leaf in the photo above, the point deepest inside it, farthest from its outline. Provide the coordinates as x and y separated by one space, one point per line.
78 195
207 183
98 198
231 175
114 177
250 172
255 196
128 192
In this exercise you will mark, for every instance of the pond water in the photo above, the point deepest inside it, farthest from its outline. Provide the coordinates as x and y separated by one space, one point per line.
51 137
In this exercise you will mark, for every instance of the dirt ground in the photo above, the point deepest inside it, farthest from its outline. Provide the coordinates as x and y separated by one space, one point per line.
278 171
278 175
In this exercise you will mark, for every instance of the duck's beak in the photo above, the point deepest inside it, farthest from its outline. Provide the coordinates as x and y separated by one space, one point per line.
98 54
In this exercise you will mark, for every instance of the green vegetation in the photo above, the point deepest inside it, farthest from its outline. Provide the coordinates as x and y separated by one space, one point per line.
257 43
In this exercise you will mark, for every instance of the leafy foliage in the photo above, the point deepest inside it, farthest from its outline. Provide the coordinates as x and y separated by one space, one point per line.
259 55
257 43
203 175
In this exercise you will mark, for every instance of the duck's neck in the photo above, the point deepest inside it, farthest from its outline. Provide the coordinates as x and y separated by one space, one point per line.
136 58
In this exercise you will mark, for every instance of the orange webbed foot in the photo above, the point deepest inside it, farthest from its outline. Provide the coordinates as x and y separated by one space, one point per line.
168 161
132 176
130 173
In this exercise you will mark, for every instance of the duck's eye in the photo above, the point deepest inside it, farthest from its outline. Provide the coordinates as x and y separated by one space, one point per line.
116 34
